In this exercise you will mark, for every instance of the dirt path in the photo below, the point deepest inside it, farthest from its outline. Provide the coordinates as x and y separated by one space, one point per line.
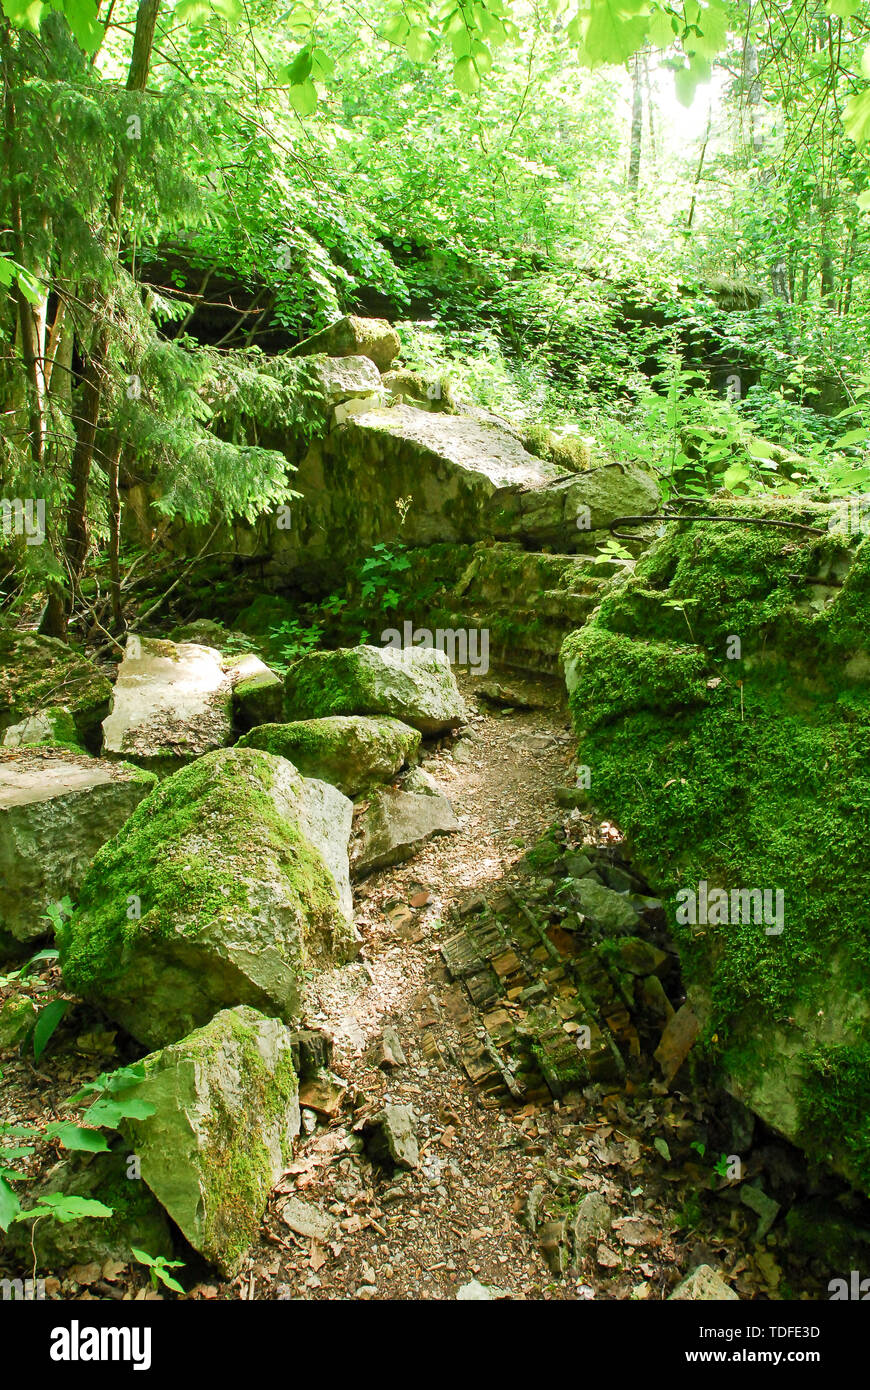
479 1206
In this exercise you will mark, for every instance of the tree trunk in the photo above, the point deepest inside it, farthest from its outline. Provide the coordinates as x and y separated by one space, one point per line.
636 128
56 617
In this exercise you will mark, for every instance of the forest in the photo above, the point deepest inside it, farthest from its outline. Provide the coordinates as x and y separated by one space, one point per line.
434 657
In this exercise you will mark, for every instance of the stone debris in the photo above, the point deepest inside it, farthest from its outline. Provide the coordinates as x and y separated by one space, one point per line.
704 1285
390 1137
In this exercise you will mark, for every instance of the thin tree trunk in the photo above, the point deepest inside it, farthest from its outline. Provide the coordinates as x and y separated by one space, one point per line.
700 167
636 128
114 460
55 618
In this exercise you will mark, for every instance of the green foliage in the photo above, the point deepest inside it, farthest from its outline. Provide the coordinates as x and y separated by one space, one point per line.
102 1113
158 1267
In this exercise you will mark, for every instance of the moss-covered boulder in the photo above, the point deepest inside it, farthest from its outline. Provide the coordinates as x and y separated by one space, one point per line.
353 336
226 1113
415 685
351 751
56 809
39 673
721 695
258 693
221 889
53 727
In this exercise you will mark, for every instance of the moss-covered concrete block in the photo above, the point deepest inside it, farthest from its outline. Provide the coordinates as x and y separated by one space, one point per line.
40 673
351 751
415 685
225 886
226 1104
56 809
721 696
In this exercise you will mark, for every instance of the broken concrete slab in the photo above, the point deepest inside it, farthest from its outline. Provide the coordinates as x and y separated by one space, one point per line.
172 702
350 378
395 824
353 336
226 1115
258 692
57 808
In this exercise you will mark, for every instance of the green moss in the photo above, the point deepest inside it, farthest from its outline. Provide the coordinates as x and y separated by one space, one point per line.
836 1106
351 752
40 673
226 1111
748 773
614 675
239 1176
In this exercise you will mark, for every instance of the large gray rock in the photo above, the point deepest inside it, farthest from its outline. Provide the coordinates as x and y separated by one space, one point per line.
226 1113
56 810
225 887
395 824
352 336
610 911
349 378
172 702
390 1137
54 726
415 685
350 751
467 479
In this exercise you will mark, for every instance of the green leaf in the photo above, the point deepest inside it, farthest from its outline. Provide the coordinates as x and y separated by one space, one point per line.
322 66
713 23
23 14
758 449
460 42
661 1147
396 29
110 1113
662 29
735 475
856 117
852 437
65 1207
47 1021
300 69
843 9
9 1205
466 77
482 58
419 46
613 30
75 1137
192 11
303 98
230 10
81 16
